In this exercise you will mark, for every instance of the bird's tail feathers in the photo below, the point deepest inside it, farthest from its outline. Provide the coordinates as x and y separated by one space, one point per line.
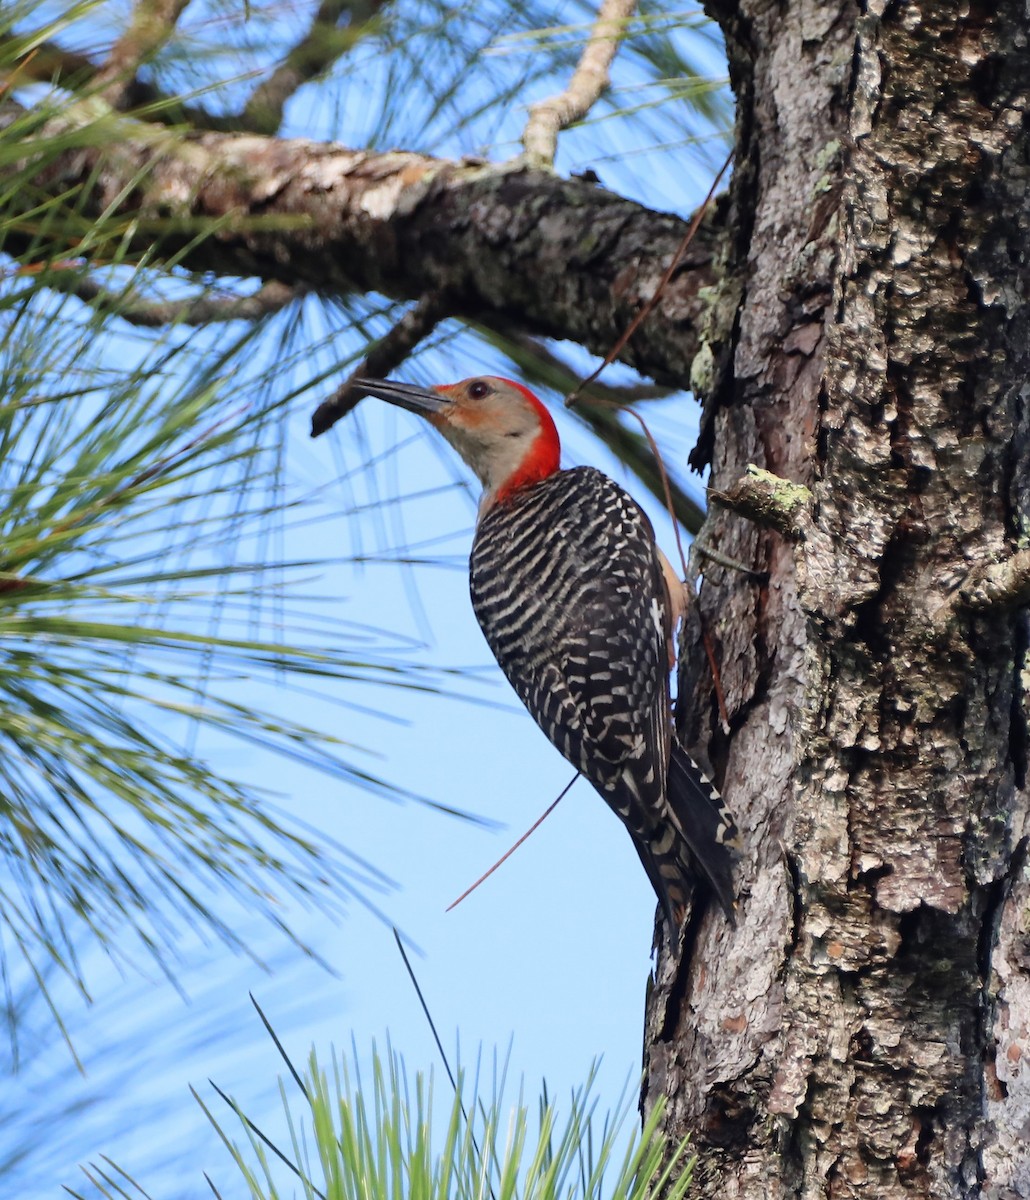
705 823
673 892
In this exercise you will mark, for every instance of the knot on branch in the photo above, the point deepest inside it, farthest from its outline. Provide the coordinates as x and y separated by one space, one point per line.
769 500
998 585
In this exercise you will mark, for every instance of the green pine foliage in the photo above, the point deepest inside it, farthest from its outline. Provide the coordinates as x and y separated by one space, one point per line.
143 606
387 1138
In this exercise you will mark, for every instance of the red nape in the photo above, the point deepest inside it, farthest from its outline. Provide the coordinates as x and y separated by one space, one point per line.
543 456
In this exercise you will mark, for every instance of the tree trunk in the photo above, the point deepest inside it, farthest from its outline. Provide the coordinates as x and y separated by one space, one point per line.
865 1029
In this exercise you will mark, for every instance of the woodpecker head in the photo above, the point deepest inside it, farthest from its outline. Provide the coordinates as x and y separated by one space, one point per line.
498 427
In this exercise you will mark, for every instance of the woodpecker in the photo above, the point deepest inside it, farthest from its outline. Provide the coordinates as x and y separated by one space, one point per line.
569 588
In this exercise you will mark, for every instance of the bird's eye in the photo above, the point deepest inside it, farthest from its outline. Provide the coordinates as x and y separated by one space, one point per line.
479 389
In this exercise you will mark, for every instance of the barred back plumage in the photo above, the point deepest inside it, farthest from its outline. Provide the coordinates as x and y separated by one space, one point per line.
567 587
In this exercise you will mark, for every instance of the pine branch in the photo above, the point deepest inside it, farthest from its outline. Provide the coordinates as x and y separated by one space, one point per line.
200 310
152 24
505 243
548 118
311 57
384 356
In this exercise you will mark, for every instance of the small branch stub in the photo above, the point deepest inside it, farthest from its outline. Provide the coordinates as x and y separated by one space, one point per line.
769 500
999 585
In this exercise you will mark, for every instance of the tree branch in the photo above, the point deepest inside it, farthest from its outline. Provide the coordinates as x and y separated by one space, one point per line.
152 24
51 63
548 117
311 57
46 62
202 310
522 249
769 500
382 357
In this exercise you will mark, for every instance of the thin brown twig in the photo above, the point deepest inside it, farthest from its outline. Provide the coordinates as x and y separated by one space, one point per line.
731 564
46 62
709 648
665 486
383 357
638 454
720 699
662 473
22 71
612 354
511 850
663 283
547 118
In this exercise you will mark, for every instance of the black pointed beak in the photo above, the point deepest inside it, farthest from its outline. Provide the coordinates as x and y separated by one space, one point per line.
423 401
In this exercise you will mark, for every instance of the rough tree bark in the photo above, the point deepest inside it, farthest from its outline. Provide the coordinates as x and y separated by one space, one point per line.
865 1031
855 319
512 245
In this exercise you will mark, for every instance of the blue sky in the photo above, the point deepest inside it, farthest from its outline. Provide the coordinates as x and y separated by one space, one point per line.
548 958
